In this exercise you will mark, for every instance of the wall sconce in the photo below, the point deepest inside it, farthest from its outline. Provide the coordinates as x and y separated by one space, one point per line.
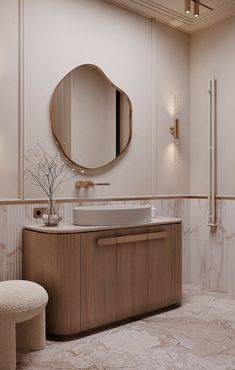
174 130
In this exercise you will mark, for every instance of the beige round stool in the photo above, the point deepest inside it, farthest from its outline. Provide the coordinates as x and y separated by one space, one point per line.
22 319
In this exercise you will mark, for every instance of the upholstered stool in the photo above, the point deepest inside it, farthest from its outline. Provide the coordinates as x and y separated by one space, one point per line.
22 319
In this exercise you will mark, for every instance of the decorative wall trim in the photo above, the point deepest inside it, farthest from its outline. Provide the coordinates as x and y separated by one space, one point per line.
218 15
21 102
150 9
113 199
97 199
175 19
153 112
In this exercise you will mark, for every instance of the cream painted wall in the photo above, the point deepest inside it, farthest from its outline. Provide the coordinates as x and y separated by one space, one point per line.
172 100
149 61
213 53
60 35
9 95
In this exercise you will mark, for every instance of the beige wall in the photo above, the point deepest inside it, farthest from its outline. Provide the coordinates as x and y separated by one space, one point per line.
172 88
9 95
213 53
135 54
88 31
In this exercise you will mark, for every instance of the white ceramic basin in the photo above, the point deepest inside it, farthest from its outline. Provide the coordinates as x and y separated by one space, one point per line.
111 215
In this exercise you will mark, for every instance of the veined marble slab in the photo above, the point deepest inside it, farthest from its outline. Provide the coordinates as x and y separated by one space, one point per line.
199 335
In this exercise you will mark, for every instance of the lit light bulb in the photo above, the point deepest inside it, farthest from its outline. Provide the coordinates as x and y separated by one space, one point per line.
196 8
187 6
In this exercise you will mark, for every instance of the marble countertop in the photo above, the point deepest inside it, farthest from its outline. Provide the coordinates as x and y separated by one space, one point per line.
65 228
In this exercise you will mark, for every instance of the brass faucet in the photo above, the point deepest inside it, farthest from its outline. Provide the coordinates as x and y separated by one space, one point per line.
89 184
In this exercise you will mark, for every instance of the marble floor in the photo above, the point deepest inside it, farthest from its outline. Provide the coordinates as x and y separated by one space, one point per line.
198 335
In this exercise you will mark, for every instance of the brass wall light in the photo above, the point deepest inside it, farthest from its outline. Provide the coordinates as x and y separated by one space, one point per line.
174 130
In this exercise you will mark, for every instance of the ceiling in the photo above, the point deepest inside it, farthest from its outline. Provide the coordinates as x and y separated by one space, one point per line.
171 12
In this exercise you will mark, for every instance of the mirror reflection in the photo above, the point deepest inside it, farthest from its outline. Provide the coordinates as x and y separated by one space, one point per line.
90 117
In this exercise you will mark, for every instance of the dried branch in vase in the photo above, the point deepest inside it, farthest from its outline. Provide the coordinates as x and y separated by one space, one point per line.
48 171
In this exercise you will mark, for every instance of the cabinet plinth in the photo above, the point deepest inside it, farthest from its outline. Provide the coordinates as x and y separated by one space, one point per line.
100 277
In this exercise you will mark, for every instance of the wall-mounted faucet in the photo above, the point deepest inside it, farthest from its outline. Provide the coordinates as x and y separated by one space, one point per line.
89 184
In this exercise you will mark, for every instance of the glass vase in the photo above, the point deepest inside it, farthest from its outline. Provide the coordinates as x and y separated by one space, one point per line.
51 216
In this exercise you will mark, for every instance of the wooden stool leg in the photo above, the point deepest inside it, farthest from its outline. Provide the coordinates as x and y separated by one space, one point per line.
7 345
31 334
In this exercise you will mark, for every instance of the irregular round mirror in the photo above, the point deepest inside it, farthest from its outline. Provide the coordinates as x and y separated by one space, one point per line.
90 117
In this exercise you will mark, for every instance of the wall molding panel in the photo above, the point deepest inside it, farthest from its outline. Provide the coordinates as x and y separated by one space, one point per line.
154 114
21 101
177 18
105 199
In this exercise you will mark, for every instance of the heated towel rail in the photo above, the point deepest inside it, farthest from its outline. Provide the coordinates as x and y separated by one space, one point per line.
212 222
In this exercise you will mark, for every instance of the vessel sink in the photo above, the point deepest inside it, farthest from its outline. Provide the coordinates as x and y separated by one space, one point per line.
111 215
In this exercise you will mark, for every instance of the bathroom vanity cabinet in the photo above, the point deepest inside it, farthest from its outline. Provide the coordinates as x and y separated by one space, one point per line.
97 276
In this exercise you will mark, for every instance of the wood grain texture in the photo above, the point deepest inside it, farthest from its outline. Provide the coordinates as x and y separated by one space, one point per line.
177 262
53 261
91 285
61 114
98 280
160 261
132 275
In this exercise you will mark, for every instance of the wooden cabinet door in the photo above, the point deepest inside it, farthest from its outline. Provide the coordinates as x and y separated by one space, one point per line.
132 273
98 279
177 258
161 266
53 260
